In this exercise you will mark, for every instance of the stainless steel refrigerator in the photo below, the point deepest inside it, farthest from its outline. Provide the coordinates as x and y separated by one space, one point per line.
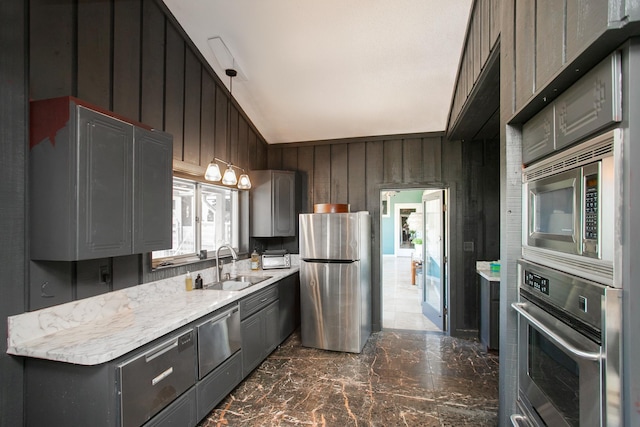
335 280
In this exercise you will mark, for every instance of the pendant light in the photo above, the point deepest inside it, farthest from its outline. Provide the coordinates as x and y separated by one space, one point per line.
213 170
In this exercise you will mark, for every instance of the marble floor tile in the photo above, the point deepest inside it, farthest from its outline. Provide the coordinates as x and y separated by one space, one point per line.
401 378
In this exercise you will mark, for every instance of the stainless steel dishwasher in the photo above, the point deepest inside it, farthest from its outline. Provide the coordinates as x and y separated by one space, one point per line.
150 381
218 339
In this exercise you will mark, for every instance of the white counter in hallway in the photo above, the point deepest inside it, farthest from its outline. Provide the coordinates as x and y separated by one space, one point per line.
95 330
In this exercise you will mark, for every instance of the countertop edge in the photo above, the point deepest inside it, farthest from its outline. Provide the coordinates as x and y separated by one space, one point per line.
133 328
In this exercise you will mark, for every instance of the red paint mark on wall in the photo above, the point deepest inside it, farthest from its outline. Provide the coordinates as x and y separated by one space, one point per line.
47 117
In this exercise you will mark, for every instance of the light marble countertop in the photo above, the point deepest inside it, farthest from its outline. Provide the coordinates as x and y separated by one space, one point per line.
489 275
99 329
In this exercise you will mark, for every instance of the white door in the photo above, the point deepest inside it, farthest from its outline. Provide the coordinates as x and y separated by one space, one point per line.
434 267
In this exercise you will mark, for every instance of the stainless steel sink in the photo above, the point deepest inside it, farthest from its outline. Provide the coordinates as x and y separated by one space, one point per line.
237 283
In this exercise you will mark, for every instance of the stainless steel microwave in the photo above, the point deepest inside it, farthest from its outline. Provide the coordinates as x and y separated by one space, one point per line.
568 201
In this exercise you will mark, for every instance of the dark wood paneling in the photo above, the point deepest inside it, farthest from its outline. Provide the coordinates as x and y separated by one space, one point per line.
207 119
222 105
412 160
52 43
152 67
261 154
253 150
305 167
432 159
356 179
174 90
524 52
289 158
14 111
392 164
339 174
549 39
375 177
192 108
233 140
126 57
243 143
274 157
322 174
94 52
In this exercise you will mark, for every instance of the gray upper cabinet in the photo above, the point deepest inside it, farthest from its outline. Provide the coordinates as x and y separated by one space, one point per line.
537 136
273 203
592 103
92 179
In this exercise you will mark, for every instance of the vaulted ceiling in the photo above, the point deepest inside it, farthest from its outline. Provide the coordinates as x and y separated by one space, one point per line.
330 69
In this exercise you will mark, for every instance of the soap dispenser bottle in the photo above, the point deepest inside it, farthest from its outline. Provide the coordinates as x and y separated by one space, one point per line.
255 260
199 282
188 282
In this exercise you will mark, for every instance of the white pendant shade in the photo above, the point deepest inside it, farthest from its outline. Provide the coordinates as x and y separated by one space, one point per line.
244 183
213 172
229 177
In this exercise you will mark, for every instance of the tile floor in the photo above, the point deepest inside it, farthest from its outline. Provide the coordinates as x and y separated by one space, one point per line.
409 374
401 307
401 378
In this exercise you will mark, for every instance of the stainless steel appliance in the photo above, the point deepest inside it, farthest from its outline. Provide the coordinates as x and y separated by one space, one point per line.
568 350
218 339
276 258
335 288
150 381
569 209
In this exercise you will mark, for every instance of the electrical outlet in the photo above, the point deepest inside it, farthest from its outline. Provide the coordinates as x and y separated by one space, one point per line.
104 275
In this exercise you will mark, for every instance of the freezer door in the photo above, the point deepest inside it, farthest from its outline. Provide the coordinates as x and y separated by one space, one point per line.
329 236
333 311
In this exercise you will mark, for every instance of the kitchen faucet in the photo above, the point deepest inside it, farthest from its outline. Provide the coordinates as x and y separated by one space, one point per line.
218 265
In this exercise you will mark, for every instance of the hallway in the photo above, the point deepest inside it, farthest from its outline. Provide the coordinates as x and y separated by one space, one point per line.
401 307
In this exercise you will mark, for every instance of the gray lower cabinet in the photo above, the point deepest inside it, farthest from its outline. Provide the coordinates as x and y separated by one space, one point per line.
214 387
152 384
260 326
100 186
289 306
489 313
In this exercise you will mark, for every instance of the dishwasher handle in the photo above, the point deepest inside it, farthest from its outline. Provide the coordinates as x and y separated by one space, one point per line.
221 316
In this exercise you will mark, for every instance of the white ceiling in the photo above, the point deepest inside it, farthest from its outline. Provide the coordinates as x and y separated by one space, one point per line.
329 69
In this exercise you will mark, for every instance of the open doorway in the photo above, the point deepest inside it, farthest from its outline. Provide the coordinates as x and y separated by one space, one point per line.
413 298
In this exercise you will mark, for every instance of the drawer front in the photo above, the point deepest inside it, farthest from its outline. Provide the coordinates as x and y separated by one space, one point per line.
218 338
212 389
182 412
257 301
150 381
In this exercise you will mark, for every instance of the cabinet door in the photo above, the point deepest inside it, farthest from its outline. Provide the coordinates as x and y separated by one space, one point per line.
152 191
105 162
271 328
586 20
289 307
252 342
284 221
538 136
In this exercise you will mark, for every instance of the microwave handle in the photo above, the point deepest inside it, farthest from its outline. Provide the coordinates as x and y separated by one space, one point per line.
586 355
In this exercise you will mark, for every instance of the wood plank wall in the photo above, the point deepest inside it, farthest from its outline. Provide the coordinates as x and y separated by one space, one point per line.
354 171
13 208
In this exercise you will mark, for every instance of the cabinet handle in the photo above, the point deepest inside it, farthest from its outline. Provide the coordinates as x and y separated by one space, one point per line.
162 376
149 357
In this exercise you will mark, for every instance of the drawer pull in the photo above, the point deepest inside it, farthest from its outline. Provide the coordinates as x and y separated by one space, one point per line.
162 376
264 299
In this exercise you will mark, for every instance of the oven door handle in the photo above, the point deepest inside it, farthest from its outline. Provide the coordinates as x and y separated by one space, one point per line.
586 355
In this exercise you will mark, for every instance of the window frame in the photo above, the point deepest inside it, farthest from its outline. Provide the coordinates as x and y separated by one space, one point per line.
181 259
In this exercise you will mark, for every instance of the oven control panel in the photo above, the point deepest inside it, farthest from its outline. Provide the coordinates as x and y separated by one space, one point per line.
536 281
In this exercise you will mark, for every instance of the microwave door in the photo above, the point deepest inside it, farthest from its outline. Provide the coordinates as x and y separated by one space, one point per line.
554 212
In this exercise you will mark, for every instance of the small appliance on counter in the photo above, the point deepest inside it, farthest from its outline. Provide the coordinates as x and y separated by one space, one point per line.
276 258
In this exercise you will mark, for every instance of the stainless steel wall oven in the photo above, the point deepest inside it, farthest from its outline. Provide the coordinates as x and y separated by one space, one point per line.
568 350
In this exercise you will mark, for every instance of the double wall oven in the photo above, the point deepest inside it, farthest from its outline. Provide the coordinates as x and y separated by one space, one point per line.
569 307
568 350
